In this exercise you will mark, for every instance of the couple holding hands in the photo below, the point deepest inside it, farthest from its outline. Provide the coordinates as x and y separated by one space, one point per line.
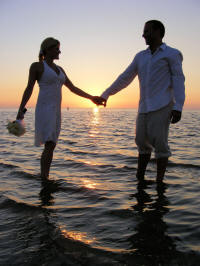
162 95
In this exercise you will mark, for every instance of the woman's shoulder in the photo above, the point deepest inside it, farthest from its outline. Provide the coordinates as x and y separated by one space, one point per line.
37 66
62 70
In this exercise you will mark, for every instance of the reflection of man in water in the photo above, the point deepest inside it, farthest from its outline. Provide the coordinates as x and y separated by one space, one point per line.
162 95
151 242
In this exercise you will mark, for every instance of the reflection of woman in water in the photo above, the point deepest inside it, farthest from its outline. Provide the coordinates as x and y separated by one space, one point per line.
50 78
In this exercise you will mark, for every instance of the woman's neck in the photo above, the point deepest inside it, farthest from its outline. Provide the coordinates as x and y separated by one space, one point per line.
49 60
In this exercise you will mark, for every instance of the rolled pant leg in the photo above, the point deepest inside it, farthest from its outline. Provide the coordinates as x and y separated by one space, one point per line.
141 139
158 130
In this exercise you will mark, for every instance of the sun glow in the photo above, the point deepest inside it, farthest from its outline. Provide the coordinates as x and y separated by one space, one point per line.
96 109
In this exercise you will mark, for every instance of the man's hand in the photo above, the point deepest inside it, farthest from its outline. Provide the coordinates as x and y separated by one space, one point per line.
175 116
99 100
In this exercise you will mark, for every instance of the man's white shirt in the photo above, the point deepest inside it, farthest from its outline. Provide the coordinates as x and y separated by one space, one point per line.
160 77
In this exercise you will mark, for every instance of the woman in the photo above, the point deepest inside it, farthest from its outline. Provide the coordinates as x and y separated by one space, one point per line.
50 78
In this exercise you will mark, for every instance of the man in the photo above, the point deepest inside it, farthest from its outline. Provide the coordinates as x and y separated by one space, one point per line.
162 95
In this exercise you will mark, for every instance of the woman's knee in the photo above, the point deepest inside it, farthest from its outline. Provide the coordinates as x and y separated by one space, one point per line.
50 145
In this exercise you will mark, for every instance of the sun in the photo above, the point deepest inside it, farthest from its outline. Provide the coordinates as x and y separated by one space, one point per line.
95 109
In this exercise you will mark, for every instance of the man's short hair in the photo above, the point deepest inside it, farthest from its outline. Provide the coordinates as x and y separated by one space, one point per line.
158 25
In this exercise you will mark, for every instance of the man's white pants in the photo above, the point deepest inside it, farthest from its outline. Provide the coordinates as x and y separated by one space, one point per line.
152 130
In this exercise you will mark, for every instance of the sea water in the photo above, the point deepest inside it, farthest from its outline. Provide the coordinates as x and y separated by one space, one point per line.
93 211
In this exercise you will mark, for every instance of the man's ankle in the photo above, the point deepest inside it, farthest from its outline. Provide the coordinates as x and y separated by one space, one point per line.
143 160
161 168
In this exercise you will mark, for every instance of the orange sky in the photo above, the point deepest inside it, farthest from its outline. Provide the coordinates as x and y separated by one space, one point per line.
95 48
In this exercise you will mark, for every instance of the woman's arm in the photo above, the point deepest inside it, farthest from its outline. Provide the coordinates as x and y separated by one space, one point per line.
28 90
79 92
76 90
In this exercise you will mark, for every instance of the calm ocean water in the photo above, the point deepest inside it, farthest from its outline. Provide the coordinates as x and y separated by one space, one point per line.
93 211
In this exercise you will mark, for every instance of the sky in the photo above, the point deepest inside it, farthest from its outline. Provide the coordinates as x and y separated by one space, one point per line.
99 39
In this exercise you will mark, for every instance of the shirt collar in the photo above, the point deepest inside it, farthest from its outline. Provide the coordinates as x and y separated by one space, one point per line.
162 47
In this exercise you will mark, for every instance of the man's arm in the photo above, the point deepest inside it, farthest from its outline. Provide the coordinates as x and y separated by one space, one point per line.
122 81
178 80
178 85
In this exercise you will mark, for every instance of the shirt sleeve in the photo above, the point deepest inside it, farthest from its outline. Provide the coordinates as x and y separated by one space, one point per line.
178 80
123 80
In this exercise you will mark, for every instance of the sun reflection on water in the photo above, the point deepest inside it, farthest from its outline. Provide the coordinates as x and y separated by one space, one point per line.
95 109
94 130
77 236
95 117
89 184
91 163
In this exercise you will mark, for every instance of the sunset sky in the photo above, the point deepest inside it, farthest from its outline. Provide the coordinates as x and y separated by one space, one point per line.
99 39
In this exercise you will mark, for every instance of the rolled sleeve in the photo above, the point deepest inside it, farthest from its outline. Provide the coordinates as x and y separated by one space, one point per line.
178 80
122 81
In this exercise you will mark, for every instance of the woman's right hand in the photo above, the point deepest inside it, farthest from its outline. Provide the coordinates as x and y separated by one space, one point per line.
20 114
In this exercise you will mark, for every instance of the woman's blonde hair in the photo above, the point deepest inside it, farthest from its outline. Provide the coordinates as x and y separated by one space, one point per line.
47 43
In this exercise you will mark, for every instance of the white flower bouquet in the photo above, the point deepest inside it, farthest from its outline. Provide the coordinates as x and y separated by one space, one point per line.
17 127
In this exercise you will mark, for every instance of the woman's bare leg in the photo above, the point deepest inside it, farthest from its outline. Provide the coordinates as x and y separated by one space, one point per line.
46 158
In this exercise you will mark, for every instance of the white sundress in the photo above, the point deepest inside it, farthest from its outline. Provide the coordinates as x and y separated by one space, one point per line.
48 107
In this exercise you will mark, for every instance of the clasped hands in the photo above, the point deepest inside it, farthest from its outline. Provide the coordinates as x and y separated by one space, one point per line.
99 100
174 117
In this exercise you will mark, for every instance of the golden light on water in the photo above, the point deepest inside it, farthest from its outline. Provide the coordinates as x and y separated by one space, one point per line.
91 163
89 184
77 236
94 131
